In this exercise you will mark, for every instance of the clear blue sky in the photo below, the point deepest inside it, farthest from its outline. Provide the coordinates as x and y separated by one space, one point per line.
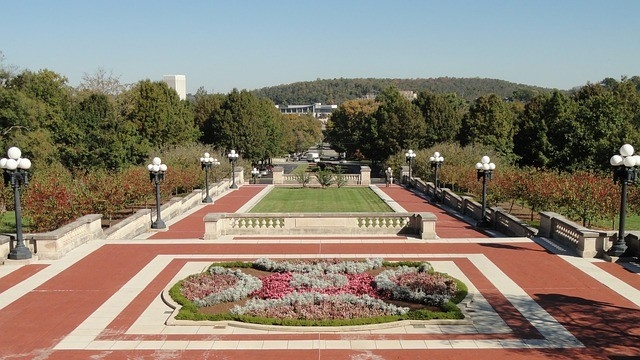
226 44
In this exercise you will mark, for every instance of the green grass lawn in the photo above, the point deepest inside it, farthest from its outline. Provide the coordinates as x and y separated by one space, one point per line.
8 223
345 199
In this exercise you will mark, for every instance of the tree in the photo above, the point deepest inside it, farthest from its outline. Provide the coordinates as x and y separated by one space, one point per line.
399 125
352 126
158 116
98 140
301 132
442 114
101 82
533 145
490 121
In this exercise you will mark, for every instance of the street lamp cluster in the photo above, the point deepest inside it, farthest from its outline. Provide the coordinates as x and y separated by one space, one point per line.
233 158
485 172
156 174
206 161
15 173
436 161
409 157
625 172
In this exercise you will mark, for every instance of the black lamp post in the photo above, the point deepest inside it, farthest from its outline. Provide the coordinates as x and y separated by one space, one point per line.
15 173
625 172
233 158
254 174
156 174
436 163
206 162
485 172
409 156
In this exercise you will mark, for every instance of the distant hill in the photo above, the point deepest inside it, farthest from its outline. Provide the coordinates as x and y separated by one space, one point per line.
336 91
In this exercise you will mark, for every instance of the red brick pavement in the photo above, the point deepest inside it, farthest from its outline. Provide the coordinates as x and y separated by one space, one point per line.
605 322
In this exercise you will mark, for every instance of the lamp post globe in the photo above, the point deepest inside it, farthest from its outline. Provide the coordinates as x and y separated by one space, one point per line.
436 161
206 162
15 173
625 171
484 170
157 172
233 158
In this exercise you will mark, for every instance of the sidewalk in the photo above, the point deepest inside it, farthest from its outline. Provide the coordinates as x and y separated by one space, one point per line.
102 300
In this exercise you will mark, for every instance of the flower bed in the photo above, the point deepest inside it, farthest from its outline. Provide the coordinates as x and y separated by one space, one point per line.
318 292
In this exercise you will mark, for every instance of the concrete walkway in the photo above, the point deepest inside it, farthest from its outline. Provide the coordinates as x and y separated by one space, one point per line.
102 300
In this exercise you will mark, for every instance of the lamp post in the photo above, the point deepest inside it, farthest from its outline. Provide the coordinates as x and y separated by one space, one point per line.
206 161
15 173
254 174
436 163
625 172
156 174
485 171
409 156
233 158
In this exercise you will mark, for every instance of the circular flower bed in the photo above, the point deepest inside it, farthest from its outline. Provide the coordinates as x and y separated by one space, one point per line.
320 292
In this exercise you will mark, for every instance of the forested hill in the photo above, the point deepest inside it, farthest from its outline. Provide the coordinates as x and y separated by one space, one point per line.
336 91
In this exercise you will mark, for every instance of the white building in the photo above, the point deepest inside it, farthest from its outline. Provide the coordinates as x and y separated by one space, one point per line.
177 83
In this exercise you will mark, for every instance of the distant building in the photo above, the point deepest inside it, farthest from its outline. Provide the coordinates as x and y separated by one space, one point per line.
177 83
317 110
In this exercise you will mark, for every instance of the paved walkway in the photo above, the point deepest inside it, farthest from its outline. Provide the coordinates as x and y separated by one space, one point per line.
102 300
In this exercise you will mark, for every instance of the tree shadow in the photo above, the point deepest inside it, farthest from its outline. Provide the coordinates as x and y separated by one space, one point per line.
507 246
613 330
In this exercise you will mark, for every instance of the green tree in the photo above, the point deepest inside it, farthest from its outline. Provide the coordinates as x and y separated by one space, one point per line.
490 121
443 116
399 125
158 116
352 126
533 145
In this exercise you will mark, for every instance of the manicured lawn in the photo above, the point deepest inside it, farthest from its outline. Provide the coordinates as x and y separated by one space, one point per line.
345 199
8 223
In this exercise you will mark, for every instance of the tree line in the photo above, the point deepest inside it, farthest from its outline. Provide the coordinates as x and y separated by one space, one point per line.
337 91
579 130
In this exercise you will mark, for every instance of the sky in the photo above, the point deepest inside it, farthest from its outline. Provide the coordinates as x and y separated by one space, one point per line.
250 44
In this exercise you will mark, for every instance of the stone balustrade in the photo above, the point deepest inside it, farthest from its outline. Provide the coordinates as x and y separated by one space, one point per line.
586 242
421 225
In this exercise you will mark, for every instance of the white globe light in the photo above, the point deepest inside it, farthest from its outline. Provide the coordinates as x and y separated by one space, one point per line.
485 166
441 159
616 160
626 150
485 159
436 154
202 159
432 159
11 164
492 166
206 155
157 161
150 167
3 163
155 167
163 167
14 153
478 166
629 161
24 164
637 159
